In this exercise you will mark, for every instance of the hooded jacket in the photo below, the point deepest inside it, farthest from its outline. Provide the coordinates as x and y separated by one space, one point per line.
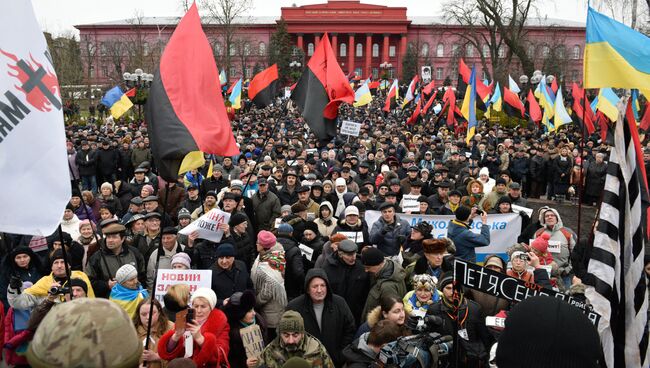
326 225
565 236
388 281
337 323
471 200
358 354
361 228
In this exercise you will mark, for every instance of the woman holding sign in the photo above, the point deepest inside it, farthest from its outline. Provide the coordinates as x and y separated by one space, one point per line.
201 334
244 322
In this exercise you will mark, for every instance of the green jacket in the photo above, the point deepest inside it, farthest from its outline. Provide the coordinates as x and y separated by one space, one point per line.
310 349
389 281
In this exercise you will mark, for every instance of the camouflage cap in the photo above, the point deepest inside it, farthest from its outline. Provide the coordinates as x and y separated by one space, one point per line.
85 333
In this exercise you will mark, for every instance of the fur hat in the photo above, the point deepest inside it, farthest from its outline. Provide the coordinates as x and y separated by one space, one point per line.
298 207
434 246
423 228
239 304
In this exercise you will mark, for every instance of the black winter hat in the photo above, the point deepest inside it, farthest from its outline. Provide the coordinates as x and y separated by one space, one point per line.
542 331
372 256
239 304
79 282
462 213
237 219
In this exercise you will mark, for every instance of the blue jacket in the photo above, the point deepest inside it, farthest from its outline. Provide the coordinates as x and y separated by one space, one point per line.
389 238
466 241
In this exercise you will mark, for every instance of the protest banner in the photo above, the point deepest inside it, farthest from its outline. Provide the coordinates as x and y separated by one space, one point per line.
503 286
208 225
355 236
194 278
350 128
253 341
410 203
504 229
526 210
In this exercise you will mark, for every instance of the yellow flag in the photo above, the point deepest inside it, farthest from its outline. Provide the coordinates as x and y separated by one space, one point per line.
192 160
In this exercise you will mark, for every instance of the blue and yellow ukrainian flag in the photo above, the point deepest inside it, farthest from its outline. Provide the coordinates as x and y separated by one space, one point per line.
128 299
607 101
468 109
362 96
235 95
117 102
615 54
496 101
561 115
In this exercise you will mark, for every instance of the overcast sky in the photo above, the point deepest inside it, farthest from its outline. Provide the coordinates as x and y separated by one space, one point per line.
59 16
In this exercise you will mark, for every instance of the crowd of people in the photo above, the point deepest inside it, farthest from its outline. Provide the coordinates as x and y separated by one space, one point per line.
298 258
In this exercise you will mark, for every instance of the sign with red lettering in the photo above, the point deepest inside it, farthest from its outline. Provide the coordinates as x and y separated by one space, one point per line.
208 225
194 278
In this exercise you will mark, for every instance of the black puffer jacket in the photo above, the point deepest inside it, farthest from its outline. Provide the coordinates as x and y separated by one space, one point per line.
337 324
294 273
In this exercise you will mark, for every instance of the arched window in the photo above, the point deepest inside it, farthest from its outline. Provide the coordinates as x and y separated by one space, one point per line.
469 50
218 48
247 49
310 49
343 50
145 48
425 49
359 52
232 49
560 52
531 51
546 51
576 52
440 50
375 50
261 49
486 51
502 52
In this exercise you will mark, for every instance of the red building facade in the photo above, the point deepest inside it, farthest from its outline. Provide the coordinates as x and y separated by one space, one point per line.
368 40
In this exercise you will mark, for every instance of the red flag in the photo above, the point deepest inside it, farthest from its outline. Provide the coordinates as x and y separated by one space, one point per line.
554 85
429 103
578 101
185 109
512 104
482 91
416 113
131 93
449 100
534 111
645 120
390 98
320 90
264 86
232 86
292 86
373 85
429 88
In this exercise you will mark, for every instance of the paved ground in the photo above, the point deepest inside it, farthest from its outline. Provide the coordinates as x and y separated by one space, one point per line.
569 213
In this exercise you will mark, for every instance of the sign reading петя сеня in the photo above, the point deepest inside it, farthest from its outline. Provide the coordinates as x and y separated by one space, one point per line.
503 286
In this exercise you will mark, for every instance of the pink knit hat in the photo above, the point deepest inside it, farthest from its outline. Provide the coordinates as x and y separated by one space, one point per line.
541 243
266 239
149 188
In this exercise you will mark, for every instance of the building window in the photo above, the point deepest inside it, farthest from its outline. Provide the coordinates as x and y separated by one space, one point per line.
261 49
391 51
486 51
560 52
455 50
391 73
502 52
358 71
439 72
248 72
310 49
233 72
425 49
247 49
531 51
484 73
145 48
454 72
105 70
102 49
576 52
343 50
546 51
375 50
469 50
440 50
233 49
218 48
574 75
359 52
375 73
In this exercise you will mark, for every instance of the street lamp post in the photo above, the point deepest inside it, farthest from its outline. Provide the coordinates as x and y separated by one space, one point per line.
385 66
295 68
139 80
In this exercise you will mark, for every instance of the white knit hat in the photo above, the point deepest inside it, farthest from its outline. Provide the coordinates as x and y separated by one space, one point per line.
341 182
207 294
182 258
125 273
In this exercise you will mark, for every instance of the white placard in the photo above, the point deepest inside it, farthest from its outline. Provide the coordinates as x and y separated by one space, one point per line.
355 236
554 246
350 128
194 278
208 225
426 73
410 203
517 209
306 251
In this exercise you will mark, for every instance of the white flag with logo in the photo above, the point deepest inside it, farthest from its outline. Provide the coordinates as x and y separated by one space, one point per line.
35 184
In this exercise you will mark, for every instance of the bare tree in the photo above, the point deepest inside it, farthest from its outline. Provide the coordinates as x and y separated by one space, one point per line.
66 58
88 46
630 12
229 15
243 51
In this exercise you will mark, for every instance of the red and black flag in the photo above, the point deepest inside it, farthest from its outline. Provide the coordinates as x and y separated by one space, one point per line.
586 119
185 111
429 88
645 120
429 103
391 97
534 111
482 91
512 105
416 112
320 90
264 87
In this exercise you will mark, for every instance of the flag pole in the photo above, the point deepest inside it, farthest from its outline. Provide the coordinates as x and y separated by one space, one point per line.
582 162
65 260
155 274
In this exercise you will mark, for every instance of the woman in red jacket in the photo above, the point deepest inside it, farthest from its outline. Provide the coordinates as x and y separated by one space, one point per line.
205 339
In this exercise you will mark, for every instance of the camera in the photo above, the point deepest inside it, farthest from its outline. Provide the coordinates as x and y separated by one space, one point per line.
524 257
426 350
55 290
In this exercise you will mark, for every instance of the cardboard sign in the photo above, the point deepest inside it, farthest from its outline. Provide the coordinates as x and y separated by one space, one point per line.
410 203
554 246
355 236
350 128
251 336
503 286
208 225
518 209
306 251
194 278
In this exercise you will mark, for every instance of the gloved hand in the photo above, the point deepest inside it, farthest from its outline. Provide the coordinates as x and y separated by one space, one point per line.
15 283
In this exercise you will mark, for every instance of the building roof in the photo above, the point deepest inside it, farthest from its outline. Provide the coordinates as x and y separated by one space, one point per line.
271 20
